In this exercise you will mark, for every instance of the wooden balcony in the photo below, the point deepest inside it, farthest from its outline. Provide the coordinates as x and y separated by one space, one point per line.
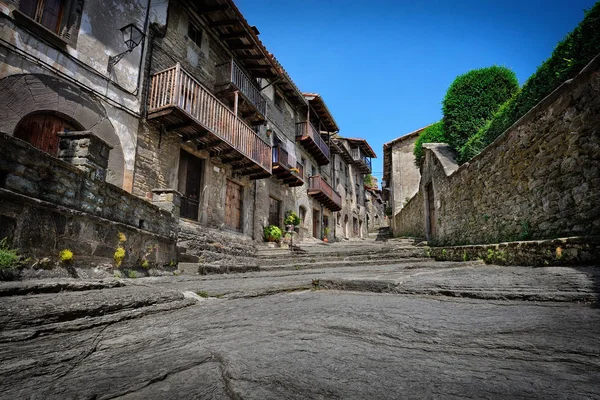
320 190
231 78
184 105
362 162
311 139
291 176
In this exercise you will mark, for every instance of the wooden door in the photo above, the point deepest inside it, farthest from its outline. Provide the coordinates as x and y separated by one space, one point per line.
233 206
190 173
316 222
274 211
430 212
40 130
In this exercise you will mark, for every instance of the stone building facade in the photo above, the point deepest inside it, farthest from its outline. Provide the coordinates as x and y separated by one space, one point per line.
401 175
201 119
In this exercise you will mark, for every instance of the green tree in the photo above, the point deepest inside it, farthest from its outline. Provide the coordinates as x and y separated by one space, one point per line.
473 98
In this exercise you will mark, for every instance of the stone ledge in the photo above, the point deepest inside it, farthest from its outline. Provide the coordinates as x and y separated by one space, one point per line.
577 250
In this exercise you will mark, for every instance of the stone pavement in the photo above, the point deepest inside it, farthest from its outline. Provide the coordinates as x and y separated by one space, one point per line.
407 328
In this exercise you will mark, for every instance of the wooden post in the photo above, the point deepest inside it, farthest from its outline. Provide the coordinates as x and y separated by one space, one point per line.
175 98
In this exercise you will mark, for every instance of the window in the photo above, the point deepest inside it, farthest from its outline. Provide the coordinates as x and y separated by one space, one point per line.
278 101
62 17
195 34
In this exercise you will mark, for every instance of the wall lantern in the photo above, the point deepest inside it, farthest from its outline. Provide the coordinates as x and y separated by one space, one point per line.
132 36
269 130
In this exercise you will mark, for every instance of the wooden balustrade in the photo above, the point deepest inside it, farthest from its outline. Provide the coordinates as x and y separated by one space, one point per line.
280 156
174 87
310 137
321 190
232 73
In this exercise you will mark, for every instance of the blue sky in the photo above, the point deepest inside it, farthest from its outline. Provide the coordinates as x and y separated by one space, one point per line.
383 66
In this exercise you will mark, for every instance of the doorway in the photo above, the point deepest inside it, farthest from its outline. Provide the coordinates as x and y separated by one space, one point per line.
190 173
41 131
274 211
233 206
430 231
316 223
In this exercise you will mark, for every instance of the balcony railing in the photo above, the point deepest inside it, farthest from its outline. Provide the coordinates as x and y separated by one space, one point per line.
363 162
310 138
283 170
231 73
280 156
322 191
175 88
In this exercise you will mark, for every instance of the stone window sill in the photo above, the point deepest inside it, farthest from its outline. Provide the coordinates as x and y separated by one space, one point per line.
40 30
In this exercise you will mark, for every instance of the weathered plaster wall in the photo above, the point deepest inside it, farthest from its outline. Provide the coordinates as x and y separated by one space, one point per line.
405 174
539 180
82 65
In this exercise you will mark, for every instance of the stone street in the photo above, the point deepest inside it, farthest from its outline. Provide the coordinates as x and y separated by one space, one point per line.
396 328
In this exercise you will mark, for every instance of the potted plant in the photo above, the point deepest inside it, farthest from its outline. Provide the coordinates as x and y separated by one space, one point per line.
291 221
272 233
326 232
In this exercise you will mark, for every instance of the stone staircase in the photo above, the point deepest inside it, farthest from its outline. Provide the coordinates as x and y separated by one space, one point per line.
206 251
210 251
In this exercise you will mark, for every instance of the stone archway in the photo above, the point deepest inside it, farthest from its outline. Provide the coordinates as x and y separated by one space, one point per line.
30 94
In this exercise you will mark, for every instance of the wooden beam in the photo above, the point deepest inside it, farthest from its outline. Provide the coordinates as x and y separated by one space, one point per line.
189 136
241 46
221 153
258 67
225 22
233 35
175 127
208 10
251 57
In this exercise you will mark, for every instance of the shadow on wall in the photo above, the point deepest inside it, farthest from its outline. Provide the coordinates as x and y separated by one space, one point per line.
22 96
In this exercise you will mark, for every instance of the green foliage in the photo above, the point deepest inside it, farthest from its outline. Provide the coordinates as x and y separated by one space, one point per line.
145 264
368 180
573 53
432 134
272 233
327 230
9 260
203 294
473 98
291 218
131 274
66 256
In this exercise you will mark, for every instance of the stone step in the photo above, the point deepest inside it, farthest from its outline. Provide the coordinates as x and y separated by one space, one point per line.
311 258
341 264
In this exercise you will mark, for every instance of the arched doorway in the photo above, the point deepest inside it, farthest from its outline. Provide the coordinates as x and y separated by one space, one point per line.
41 130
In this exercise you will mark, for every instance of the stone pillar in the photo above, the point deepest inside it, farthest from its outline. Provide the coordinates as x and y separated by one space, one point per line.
167 199
85 151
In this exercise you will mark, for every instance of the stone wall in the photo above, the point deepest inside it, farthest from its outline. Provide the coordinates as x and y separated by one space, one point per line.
538 180
27 173
411 220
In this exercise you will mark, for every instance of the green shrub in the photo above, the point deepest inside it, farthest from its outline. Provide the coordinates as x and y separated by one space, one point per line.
473 98
432 134
272 233
9 261
291 218
573 53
